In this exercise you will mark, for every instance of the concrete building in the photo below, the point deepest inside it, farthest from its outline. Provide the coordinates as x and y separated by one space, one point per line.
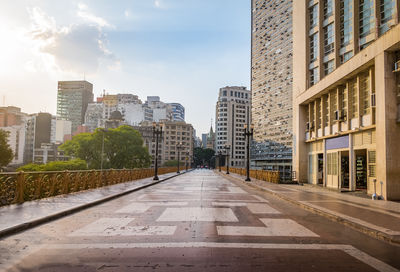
271 85
232 112
173 133
73 98
161 110
94 116
178 112
204 137
13 121
346 93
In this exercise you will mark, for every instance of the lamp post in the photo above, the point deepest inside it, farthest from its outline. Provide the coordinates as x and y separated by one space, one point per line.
248 132
158 132
227 148
187 160
178 147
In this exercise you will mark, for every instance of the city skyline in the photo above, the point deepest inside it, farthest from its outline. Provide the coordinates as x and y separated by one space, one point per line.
139 47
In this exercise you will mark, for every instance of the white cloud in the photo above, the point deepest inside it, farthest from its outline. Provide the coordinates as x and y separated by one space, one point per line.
77 48
158 4
127 14
84 13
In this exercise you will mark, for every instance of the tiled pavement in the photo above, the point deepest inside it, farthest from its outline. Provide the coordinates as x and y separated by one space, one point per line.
15 218
377 218
196 222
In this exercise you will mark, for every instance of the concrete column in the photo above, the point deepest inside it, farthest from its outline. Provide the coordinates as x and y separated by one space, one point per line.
387 129
352 164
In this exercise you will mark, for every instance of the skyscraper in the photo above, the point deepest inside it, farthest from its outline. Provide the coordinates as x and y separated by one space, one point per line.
178 112
346 94
73 98
232 112
271 84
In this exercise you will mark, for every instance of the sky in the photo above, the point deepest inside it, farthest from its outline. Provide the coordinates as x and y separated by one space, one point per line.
180 50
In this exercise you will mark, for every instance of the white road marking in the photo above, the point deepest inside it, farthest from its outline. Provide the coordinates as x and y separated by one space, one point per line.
260 198
360 255
198 214
258 208
230 204
140 207
274 227
119 227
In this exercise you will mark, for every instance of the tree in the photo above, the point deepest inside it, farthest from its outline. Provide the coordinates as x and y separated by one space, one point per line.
123 148
6 154
203 155
76 164
173 163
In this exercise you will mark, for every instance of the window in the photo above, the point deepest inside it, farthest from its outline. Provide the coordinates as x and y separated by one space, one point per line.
372 163
224 93
367 21
326 110
329 39
313 47
346 15
353 96
328 8
329 67
365 93
313 15
343 101
386 9
332 161
346 56
314 78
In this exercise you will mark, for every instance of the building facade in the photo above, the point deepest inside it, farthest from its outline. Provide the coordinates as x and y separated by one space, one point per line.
73 98
346 94
271 85
178 112
174 133
232 113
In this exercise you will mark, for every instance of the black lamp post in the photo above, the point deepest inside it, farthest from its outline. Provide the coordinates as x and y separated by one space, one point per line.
158 132
219 160
178 147
227 148
248 132
187 160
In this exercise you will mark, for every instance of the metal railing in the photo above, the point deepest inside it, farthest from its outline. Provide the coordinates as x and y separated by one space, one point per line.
265 175
18 187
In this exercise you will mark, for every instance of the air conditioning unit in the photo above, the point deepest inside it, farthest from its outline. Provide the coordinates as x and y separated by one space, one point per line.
336 116
373 101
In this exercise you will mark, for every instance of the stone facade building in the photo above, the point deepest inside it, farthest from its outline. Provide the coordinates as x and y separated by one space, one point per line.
271 85
346 94
232 112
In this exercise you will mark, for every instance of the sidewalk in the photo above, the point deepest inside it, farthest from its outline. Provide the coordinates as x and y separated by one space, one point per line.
377 218
16 218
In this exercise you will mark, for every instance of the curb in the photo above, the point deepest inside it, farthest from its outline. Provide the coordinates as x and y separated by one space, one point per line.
356 226
36 222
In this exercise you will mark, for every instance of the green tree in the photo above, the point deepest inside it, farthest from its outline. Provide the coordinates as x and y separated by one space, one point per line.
6 154
202 156
76 164
123 148
174 163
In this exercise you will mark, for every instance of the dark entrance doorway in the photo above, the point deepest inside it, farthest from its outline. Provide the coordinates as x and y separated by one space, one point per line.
344 170
320 168
361 168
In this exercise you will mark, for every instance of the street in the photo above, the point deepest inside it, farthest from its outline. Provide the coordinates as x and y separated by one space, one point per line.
198 221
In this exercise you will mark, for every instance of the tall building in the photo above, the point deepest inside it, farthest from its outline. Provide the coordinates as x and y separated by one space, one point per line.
73 98
178 112
346 94
39 130
232 113
174 133
271 85
161 110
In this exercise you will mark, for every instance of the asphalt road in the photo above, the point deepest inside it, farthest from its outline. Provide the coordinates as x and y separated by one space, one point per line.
199 221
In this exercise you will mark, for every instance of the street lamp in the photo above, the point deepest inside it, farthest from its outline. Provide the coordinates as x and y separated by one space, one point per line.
219 159
227 148
248 132
158 132
187 160
178 147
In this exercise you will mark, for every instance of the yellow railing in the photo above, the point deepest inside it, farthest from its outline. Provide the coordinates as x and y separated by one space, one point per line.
270 176
24 186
